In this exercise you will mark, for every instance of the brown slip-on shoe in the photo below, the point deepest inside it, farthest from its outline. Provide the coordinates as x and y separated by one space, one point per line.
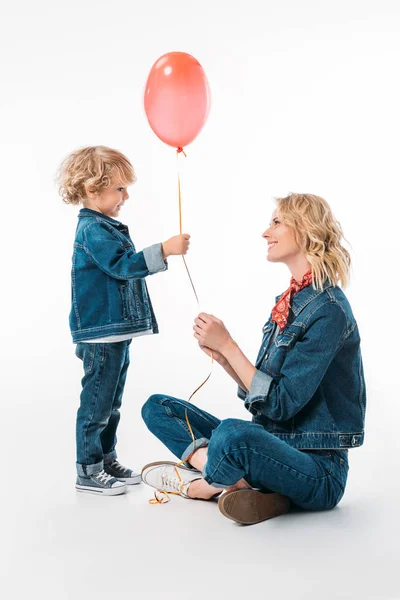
250 506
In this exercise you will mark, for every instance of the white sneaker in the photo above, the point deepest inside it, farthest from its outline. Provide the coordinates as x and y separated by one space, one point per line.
167 477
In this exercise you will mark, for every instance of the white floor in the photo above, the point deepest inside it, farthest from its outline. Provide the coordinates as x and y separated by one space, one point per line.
59 544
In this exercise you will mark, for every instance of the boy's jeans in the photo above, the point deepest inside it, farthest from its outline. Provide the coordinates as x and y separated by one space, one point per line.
312 479
105 367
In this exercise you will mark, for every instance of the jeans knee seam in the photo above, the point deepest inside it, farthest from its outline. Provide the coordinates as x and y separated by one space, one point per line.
190 408
182 424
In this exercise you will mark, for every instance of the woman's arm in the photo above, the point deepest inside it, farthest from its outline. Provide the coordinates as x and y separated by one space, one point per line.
221 360
240 368
230 370
303 368
211 332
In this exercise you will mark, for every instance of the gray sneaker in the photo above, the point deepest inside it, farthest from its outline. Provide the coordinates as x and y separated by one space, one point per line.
115 469
101 483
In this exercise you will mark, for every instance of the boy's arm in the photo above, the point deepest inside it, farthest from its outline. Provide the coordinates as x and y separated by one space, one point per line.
109 254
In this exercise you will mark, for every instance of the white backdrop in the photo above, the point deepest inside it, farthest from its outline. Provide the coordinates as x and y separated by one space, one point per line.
305 98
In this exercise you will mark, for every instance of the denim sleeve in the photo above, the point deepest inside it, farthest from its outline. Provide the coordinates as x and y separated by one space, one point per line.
154 258
303 369
110 255
241 393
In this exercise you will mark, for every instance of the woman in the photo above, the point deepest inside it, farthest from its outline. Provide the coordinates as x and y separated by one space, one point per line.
306 391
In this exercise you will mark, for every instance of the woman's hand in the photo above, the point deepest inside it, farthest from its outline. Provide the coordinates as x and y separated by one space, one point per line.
211 332
217 356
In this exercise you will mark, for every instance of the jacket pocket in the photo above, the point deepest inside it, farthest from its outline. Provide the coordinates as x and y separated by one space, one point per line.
278 351
140 299
267 332
129 311
124 291
284 339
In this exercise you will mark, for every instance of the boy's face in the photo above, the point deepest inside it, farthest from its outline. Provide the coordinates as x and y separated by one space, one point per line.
109 201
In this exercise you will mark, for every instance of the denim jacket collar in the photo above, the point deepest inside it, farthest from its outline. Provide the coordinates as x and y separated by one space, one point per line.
305 296
88 212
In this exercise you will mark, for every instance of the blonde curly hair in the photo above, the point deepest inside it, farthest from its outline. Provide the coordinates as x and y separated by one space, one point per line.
319 235
92 169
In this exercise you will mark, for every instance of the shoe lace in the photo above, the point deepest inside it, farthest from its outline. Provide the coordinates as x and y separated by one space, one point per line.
176 483
103 477
116 465
171 481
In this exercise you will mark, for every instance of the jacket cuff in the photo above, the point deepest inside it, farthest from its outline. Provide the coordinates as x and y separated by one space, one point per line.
241 393
259 388
154 259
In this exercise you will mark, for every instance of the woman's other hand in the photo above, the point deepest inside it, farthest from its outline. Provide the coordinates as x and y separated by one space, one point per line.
211 332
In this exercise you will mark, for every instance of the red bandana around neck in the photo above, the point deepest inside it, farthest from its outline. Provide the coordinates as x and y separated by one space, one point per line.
280 312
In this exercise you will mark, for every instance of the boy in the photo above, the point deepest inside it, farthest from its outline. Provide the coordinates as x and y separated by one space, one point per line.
110 306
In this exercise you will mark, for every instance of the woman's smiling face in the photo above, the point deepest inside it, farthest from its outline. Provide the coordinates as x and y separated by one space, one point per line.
282 246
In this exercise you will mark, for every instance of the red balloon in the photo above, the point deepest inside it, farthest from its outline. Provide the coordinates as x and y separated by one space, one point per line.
177 98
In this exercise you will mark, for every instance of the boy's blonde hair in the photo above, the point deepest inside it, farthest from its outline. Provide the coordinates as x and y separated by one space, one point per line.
319 235
92 169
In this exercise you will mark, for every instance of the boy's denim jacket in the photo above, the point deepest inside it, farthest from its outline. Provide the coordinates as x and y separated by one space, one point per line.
309 387
109 294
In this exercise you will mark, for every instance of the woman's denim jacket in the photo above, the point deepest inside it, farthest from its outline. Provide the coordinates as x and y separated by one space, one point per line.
109 294
309 387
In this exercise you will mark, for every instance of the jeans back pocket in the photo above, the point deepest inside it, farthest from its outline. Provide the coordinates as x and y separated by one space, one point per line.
85 352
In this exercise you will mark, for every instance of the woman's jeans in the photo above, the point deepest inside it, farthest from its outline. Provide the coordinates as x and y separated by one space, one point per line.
105 367
312 479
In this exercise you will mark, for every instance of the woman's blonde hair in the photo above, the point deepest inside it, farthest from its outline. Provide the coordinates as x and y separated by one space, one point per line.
92 169
319 235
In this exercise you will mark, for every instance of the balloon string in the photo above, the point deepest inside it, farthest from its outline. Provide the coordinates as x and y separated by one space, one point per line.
160 496
179 150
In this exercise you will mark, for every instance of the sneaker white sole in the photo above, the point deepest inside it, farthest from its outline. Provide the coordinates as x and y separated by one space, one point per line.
88 489
131 480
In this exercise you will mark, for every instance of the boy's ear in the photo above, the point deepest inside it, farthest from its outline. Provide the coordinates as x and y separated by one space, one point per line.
89 191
